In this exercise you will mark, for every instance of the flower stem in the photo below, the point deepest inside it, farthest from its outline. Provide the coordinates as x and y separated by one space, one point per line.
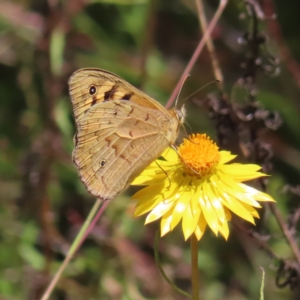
76 244
157 260
194 263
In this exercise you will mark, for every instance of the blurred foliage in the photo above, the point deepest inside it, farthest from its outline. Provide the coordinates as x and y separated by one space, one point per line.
147 42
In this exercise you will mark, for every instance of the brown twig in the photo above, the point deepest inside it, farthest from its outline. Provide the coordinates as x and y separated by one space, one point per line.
210 46
286 231
197 52
259 241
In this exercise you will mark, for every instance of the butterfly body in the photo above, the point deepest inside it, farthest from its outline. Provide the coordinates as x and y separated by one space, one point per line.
120 130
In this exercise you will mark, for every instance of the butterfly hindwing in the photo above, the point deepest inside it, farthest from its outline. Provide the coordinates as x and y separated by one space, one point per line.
115 140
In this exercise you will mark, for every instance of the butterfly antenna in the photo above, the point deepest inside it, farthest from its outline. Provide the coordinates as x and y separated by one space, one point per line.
185 131
183 81
165 173
211 82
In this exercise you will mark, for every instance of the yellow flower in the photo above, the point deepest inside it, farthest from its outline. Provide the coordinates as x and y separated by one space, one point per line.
197 187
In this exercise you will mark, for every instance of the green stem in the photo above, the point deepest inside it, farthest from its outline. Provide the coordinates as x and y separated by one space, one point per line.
195 272
157 260
262 285
79 239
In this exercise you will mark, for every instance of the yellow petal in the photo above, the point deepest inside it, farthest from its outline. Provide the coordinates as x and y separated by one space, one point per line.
258 195
144 207
237 208
226 156
251 210
224 230
190 221
158 211
165 223
207 209
227 213
149 192
149 196
149 179
216 203
241 172
170 155
230 202
152 174
200 229
236 190
184 196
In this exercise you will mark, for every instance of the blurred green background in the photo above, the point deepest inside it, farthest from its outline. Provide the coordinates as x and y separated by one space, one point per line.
147 42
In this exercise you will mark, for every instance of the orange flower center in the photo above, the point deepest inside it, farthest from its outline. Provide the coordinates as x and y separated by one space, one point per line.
199 155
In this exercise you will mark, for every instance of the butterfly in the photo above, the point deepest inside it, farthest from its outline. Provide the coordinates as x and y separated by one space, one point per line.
120 130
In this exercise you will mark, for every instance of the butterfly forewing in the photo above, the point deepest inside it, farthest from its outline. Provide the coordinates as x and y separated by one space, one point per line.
108 87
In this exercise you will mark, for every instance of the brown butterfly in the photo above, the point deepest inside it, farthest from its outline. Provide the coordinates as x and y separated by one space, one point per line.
120 130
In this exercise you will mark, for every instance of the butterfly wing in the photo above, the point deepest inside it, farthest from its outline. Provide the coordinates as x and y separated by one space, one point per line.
120 131
115 142
108 87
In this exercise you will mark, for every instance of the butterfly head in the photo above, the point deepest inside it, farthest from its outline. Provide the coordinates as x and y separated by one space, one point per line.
181 114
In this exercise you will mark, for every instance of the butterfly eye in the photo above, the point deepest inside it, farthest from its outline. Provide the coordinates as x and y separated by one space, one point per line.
92 90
